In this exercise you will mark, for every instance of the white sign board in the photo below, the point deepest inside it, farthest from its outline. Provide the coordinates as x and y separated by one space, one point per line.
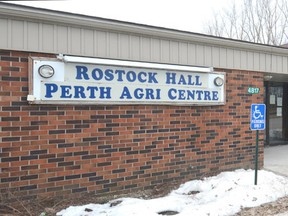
93 83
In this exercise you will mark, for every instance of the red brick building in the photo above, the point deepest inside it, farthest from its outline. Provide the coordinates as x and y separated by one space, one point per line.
55 149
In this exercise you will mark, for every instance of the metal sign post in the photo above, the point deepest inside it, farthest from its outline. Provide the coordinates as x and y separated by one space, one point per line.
257 122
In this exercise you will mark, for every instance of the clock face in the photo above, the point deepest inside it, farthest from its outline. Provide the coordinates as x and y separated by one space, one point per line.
218 81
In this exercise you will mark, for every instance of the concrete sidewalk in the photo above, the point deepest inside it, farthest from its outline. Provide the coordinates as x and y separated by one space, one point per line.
276 159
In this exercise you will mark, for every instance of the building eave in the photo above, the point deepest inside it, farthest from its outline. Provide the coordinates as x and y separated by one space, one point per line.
14 11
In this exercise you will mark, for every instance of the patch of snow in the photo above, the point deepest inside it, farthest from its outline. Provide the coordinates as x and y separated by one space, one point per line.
224 194
282 214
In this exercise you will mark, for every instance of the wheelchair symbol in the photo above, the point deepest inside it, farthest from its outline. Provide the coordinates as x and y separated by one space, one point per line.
257 114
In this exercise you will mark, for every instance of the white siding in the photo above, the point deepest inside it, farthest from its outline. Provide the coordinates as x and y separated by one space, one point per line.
174 52
183 53
17 34
4 42
268 62
145 49
200 56
256 61
152 45
32 36
48 38
230 58
223 57
124 46
285 65
216 57
237 58
165 51
191 54
62 39
135 48
208 55
243 59
88 40
262 61
155 50
75 41
274 63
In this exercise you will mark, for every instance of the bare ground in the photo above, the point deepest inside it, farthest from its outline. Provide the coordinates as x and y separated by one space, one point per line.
268 209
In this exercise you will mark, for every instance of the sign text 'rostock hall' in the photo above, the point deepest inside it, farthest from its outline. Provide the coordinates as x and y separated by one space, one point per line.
120 82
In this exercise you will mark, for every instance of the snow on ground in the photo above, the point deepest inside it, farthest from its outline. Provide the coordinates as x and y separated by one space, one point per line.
224 194
282 214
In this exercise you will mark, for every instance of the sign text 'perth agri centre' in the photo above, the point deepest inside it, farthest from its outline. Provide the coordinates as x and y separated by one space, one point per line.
101 81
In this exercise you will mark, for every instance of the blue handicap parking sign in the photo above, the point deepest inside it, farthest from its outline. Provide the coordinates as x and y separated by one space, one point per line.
258 117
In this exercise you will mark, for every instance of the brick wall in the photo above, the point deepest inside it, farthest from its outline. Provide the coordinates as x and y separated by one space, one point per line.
61 150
